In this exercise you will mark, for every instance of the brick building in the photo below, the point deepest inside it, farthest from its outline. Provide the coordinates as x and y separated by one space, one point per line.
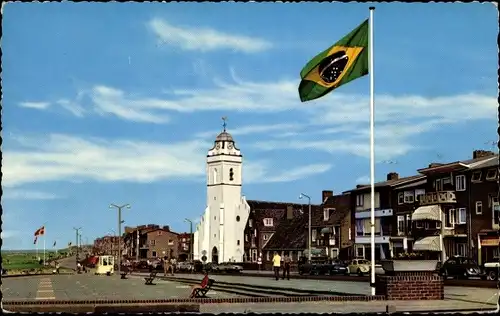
154 242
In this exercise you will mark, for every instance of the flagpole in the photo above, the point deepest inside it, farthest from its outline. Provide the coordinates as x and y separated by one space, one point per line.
44 249
372 151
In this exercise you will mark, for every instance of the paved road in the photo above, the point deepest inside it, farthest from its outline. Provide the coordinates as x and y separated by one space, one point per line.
457 294
92 287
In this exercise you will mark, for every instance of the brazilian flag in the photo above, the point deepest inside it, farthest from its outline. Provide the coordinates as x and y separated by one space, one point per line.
341 63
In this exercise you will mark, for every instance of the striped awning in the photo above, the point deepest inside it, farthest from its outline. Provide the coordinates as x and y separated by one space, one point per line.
428 212
430 243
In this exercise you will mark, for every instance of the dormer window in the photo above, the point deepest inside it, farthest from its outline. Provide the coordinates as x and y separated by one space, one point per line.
491 174
268 222
231 174
326 214
476 176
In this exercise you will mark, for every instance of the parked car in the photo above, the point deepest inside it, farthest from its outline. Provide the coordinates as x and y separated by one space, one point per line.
185 266
461 267
198 266
491 269
359 266
337 267
227 267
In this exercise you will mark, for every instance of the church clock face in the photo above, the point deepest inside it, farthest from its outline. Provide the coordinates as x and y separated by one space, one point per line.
217 146
230 146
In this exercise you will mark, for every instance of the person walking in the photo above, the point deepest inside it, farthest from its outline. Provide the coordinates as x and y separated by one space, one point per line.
276 265
173 263
286 266
166 266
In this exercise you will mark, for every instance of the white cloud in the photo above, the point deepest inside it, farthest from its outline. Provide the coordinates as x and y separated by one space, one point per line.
35 105
254 129
16 194
204 39
258 173
6 234
71 158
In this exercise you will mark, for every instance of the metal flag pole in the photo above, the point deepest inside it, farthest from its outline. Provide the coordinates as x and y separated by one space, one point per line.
372 152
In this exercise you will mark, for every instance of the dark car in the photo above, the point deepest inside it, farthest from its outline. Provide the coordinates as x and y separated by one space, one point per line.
336 267
461 267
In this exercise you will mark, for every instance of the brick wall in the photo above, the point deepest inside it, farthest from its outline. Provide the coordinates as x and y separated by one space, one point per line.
410 286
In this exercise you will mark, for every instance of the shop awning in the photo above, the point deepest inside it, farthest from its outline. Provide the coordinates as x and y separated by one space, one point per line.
428 212
430 243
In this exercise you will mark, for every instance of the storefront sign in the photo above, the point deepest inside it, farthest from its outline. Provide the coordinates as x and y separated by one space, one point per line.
490 242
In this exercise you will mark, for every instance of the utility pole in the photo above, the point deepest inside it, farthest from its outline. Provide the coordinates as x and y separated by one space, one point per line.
120 222
137 246
191 250
302 195
76 231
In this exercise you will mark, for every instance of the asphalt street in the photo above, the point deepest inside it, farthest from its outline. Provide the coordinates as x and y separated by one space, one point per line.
93 287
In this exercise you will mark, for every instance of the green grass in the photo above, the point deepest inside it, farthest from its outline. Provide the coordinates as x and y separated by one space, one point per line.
24 260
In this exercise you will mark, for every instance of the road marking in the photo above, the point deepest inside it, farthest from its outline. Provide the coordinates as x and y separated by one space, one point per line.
182 287
45 291
45 298
45 288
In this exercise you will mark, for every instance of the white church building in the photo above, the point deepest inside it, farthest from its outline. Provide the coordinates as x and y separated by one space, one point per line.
219 236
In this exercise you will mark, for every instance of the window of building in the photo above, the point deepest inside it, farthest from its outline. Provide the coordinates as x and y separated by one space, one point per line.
401 198
246 238
268 255
493 199
360 200
159 233
255 232
238 218
231 174
461 216
250 222
491 174
336 230
170 242
326 214
476 176
264 237
238 242
438 225
419 224
460 183
254 255
314 234
401 225
461 249
409 196
496 214
360 251
153 253
427 225
438 184
479 207
418 194
152 242
268 222
215 235
299 254
215 218
449 218
408 224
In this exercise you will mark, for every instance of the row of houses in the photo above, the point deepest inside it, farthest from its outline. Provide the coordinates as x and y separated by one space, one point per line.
147 242
446 209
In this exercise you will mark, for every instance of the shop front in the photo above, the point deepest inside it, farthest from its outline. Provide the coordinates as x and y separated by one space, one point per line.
488 247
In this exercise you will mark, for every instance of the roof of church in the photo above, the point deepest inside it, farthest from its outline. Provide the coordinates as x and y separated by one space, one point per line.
224 136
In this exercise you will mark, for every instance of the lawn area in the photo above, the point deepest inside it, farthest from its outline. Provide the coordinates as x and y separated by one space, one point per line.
21 261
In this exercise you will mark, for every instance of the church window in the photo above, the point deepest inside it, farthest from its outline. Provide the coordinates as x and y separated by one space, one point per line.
268 222
237 218
231 174
215 217
238 242
215 235
215 176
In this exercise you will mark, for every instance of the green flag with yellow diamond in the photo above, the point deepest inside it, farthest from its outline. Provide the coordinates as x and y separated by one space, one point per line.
341 63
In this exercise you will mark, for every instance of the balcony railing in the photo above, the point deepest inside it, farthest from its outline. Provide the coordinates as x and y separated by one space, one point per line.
440 197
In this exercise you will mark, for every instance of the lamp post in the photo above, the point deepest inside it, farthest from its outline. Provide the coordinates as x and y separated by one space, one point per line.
120 222
77 233
190 238
301 196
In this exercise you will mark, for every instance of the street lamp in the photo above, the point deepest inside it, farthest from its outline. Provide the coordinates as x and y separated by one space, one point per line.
120 222
301 196
77 233
191 250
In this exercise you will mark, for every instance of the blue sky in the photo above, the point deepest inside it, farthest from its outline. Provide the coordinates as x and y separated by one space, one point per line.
119 103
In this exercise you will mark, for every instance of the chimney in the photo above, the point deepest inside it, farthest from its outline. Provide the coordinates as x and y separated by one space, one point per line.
289 212
325 195
481 153
166 227
360 185
392 176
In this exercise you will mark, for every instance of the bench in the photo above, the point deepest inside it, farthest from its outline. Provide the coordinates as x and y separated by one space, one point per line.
149 279
201 290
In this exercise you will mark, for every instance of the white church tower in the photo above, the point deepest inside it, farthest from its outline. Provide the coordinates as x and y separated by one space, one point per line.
220 234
